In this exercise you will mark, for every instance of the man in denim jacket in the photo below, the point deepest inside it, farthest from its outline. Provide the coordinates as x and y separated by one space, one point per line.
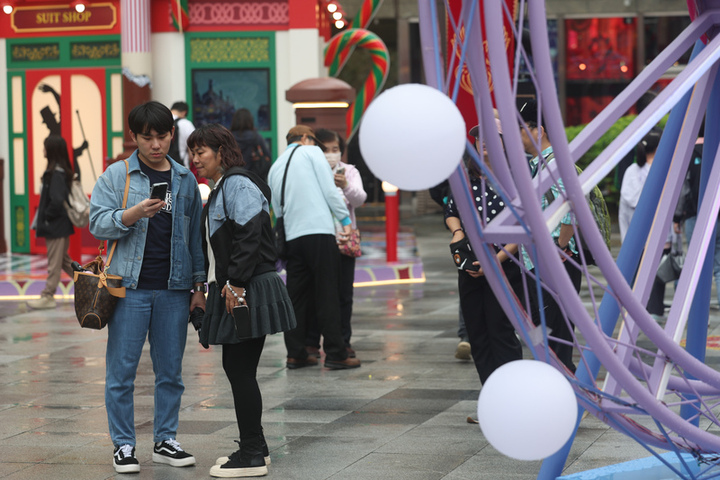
159 256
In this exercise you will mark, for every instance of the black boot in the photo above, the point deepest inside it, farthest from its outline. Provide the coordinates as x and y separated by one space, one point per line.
249 461
265 451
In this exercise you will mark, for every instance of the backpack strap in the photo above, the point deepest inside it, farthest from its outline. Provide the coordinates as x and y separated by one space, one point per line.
282 191
264 188
549 195
124 204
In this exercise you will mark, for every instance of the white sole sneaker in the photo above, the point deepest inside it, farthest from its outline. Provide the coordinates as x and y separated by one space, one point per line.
174 462
42 303
126 468
224 460
218 472
462 352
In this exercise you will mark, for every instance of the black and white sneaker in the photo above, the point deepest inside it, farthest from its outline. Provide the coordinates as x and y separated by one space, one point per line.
124 459
266 454
170 453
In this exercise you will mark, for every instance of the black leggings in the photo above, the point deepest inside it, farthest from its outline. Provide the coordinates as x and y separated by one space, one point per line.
240 362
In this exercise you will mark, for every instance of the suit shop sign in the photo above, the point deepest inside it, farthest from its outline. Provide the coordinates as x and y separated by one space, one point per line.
49 18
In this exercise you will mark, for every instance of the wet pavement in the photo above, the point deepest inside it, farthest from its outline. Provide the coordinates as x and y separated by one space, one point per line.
402 415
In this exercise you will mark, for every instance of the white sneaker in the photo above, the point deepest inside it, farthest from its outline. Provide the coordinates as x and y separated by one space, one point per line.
169 452
462 352
124 459
42 303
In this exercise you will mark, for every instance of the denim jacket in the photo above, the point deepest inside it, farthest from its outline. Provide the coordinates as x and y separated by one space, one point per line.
186 254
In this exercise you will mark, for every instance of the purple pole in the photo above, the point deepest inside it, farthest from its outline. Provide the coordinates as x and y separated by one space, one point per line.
627 261
696 340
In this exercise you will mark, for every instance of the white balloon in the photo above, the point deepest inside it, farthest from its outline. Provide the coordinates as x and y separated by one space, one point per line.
412 136
527 410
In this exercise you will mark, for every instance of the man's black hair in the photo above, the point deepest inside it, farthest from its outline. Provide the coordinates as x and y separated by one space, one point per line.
150 116
180 107
529 113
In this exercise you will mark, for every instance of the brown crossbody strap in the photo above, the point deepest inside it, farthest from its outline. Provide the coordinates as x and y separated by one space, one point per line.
124 204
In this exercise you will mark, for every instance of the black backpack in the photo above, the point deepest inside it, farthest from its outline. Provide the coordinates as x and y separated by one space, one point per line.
174 151
255 159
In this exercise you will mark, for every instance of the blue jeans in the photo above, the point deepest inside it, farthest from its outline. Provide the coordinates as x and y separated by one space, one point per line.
162 316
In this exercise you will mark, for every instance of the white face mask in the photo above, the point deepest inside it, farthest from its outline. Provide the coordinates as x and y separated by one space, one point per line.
333 158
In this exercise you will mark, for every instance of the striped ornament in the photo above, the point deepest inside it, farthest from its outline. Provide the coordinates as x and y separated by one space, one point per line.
368 9
336 54
179 14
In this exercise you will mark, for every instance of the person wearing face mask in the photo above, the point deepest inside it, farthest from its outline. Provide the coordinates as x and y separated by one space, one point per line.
311 201
349 183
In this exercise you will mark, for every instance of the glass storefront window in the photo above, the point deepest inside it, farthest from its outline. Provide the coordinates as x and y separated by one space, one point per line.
600 64
659 32
217 93
601 48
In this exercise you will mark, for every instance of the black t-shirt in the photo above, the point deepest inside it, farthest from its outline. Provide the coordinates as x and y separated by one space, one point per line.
155 270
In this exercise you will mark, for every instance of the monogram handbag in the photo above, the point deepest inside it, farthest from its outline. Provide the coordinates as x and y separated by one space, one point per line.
96 291
352 247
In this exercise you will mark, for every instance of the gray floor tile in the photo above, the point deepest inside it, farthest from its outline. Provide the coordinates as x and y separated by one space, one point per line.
402 415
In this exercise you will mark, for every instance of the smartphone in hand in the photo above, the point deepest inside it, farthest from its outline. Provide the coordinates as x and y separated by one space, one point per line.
340 170
241 315
159 191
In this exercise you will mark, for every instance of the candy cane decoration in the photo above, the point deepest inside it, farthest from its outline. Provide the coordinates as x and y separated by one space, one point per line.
337 53
368 9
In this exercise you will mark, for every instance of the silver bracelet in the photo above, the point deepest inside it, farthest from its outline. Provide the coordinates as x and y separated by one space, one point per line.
239 298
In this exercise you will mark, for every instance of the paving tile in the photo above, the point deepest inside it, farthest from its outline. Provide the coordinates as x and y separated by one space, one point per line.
8 468
402 415
404 467
437 440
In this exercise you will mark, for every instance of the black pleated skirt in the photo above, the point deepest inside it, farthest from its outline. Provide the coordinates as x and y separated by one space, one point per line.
271 311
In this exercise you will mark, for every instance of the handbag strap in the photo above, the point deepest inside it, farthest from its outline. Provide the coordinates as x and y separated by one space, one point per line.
124 204
282 191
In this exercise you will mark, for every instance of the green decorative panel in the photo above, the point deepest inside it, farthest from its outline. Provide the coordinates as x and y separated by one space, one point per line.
20 238
95 50
35 52
62 52
230 50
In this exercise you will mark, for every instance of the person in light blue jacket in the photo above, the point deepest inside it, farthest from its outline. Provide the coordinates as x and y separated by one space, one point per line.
313 259
160 258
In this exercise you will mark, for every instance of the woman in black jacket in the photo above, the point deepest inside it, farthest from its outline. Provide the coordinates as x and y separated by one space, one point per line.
255 152
51 221
247 300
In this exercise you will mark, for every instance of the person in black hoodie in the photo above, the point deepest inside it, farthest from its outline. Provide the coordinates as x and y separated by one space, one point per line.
247 300
52 221
254 149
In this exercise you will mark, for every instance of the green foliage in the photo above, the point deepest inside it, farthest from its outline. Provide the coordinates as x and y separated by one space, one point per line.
609 185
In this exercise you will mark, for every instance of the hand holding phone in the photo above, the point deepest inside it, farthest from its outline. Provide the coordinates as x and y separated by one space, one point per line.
241 315
339 177
159 191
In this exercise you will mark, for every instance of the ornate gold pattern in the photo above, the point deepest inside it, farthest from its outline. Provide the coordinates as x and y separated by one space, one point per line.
20 226
225 50
95 50
465 82
239 13
35 53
